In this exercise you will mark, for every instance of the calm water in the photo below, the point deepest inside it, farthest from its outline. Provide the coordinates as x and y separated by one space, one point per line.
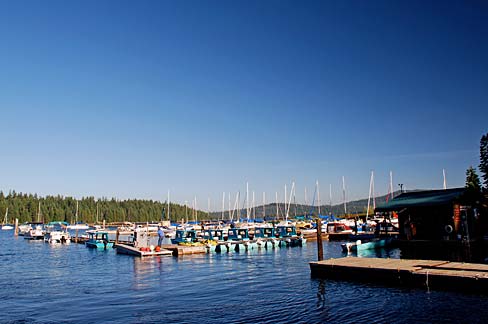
72 284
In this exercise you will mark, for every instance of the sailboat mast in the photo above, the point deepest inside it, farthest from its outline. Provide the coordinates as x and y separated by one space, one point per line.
391 184
264 205
247 201
369 195
330 198
277 210
168 207
318 195
253 207
223 205
374 196
344 194
76 213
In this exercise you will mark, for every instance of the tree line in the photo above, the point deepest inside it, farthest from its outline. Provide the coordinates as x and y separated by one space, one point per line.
32 208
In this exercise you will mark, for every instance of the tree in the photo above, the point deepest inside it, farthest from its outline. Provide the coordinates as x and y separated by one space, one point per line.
472 180
484 159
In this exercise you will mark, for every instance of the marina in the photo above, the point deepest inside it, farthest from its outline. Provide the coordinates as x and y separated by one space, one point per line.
209 288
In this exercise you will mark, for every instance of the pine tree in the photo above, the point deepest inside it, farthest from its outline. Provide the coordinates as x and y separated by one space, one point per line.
472 180
484 159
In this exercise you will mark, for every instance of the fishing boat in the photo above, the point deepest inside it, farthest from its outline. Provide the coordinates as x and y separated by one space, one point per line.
287 235
5 225
360 246
56 233
98 240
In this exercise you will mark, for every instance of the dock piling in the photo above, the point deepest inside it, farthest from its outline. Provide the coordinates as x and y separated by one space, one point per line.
320 246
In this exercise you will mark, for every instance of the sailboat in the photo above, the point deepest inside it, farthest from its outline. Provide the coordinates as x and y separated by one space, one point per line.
77 226
5 225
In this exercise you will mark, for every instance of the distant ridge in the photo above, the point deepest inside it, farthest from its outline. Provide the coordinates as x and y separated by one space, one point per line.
354 207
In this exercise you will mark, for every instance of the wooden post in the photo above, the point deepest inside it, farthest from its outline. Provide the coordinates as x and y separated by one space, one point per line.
76 235
117 236
104 224
16 230
320 247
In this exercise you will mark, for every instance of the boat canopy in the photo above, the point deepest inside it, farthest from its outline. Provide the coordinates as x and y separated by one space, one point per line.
425 198
329 217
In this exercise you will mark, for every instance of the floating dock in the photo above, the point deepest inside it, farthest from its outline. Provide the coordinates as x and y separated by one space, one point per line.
180 250
428 274
130 250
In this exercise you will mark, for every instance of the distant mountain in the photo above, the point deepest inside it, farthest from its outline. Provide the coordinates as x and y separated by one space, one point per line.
354 207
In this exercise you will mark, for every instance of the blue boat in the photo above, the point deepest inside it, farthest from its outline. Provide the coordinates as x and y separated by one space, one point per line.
239 237
265 237
212 238
98 240
360 246
288 236
184 236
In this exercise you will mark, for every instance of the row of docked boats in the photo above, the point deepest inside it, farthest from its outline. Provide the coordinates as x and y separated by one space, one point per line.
240 238
53 232
58 233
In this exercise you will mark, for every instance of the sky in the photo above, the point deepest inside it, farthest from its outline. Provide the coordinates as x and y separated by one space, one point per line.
132 99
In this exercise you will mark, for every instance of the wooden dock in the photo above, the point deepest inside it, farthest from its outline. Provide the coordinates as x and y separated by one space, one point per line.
428 274
180 250
130 250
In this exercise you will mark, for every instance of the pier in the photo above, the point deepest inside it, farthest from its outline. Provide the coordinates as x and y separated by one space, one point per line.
428 274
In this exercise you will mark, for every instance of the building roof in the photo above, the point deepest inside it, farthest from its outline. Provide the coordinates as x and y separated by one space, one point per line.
424 198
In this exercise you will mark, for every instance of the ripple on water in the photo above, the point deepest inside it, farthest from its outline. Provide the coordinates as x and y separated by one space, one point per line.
73 284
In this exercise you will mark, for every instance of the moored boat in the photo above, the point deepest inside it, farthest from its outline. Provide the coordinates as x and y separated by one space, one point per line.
56 233
265 237
98 240
360 246
35 233
287 235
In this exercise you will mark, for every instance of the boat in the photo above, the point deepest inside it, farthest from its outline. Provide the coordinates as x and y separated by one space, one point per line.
56 233
98 240
360 246
212 238
185 236
288 236
5 225
239 238
35 233
265 237
77 225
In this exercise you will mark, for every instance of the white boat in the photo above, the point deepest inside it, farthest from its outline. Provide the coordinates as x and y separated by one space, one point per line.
36 233
76 225
80 226
5 225
56 233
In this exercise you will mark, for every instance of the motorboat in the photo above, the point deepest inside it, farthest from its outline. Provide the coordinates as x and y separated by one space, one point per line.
98 240
56 233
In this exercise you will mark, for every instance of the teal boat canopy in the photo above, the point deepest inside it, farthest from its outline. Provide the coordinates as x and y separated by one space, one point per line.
423 198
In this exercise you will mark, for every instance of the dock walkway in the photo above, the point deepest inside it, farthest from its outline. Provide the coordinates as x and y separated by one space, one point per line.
429 274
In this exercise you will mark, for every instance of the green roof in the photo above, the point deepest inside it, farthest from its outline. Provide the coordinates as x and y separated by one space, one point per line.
422 199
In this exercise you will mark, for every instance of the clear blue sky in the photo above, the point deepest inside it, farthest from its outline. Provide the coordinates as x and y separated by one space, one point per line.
134 98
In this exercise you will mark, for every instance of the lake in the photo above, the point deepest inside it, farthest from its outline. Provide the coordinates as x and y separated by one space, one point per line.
74 284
